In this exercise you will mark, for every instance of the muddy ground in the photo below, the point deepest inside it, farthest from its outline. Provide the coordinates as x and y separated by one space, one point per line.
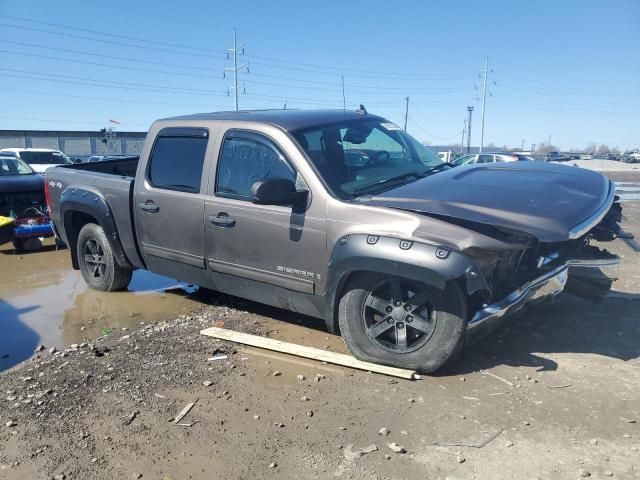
553 394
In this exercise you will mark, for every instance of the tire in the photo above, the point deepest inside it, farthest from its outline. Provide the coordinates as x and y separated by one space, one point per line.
97 262
434 328
18 244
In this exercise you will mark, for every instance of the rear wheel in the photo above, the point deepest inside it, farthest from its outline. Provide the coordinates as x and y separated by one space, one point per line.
403 323
97 262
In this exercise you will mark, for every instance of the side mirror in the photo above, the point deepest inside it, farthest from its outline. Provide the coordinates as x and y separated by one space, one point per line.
277 191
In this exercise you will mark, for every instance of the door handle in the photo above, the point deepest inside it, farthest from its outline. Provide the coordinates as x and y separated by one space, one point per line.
149 207
222 220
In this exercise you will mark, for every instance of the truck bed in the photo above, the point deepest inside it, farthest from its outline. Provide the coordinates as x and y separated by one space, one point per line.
112 181
124 167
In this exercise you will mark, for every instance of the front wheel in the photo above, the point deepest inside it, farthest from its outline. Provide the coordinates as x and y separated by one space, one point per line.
97 262
402 323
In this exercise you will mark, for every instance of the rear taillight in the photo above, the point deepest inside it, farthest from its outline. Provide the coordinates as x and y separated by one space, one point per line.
47 197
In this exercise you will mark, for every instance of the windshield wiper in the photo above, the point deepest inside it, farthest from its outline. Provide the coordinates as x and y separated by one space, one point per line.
437 168
381 183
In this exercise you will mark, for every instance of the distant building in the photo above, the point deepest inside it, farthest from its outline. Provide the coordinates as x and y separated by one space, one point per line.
74 143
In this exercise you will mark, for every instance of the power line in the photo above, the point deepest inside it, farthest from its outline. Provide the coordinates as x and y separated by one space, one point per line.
416 124
57 120
111 42
560 93
125 67
47 74
106 83
567 88
118 100
354 70
367 87
112 57
373 74
120 87
137 39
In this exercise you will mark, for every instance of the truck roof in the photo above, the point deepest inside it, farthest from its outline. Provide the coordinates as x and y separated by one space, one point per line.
286 119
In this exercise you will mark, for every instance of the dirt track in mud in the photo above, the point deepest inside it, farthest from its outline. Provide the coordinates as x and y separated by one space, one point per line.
554 394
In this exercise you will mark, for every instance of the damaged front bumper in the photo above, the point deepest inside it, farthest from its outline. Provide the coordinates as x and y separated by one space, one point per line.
535 291
542 288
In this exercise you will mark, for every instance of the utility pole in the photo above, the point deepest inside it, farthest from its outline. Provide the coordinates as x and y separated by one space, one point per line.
464 130
549 142
484 102
236 67
522 147
470 110
406 113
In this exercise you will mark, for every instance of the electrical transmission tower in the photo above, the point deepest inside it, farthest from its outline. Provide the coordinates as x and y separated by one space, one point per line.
484 101
485 84
234 53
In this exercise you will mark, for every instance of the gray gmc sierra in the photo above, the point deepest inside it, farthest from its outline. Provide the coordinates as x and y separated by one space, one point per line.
343 216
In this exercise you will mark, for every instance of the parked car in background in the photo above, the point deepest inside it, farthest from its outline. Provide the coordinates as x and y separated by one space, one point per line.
39 158
631 157
557 157
406 256
22 200
489 158
448 155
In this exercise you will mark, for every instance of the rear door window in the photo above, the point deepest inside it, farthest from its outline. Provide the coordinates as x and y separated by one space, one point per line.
177 159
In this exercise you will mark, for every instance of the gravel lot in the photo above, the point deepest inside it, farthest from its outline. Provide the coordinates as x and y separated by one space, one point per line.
604 165
553 394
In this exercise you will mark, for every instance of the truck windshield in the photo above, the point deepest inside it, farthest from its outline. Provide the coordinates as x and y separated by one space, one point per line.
45 158
365 156
14 166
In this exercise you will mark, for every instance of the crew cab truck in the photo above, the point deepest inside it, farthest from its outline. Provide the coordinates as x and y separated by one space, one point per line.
343 216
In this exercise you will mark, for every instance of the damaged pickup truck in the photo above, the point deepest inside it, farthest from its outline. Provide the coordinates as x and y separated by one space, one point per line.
342 216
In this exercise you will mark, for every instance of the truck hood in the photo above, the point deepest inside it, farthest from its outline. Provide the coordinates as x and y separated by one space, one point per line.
547 201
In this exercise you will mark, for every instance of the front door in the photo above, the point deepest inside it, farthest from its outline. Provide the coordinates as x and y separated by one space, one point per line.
280 246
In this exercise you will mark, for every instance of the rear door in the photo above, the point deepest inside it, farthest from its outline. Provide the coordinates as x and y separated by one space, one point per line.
169 203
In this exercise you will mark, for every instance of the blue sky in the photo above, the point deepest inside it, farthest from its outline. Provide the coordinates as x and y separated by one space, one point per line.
569 69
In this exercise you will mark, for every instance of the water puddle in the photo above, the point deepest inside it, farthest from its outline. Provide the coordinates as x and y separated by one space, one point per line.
44 301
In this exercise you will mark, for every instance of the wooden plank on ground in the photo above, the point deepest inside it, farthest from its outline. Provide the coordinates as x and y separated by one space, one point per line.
307 352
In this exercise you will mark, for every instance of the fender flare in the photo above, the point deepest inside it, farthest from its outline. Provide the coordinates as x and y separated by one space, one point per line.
397 257
74 200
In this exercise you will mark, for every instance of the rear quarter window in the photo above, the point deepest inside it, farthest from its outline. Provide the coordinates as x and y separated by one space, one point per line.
176 162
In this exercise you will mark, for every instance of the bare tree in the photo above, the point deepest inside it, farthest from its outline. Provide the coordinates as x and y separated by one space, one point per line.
544 149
